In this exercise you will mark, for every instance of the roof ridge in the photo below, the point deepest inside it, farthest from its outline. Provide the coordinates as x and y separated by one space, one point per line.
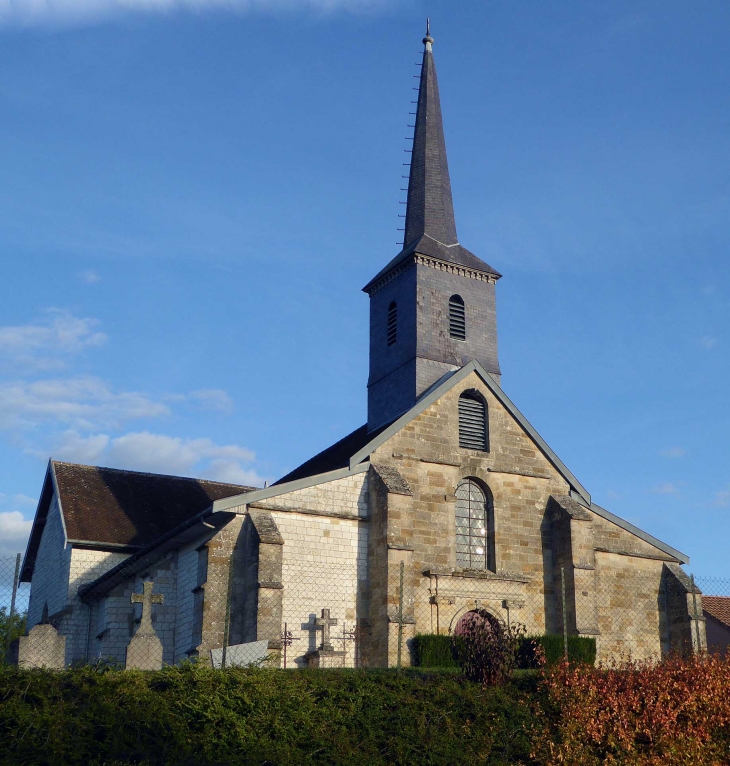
150 473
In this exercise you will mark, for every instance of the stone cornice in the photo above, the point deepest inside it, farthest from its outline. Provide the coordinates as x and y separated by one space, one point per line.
453 268
262 506
433 263
635 554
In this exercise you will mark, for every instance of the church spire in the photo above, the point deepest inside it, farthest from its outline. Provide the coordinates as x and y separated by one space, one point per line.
430 209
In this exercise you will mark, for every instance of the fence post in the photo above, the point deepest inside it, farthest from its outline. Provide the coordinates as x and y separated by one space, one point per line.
227 623
694 610
565 612
400 615
15 584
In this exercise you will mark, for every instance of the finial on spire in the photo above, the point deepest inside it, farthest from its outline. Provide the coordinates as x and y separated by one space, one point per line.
428 40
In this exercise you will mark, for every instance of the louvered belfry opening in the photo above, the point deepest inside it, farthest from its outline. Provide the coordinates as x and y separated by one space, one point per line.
474 527
457 318
392 323
473 433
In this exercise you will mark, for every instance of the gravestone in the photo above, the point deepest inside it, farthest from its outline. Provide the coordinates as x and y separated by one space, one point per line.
241 655
325 655
144 651
43 647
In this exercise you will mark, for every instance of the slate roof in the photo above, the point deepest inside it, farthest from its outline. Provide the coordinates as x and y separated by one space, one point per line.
121 509
335 456
717 607
430 225
430 207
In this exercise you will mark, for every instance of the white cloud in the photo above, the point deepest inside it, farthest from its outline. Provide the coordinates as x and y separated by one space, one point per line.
82 402
213 399
158 453
666 489
50 12
14 532
89 277
708 342
673 452
44 345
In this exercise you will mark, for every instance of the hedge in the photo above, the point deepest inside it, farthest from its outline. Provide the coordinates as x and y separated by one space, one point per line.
195 716
433 651
581 649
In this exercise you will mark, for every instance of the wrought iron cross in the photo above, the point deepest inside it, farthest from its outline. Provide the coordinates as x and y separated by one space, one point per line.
147 598
287 639
323 623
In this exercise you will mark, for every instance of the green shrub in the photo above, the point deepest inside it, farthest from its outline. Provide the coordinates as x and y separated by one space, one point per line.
11 628
581 649
433 651
195 716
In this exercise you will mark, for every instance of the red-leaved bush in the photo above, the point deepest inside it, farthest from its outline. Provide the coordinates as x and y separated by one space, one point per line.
486 649
672 712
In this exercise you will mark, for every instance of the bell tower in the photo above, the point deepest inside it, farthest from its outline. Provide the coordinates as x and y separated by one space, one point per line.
432 308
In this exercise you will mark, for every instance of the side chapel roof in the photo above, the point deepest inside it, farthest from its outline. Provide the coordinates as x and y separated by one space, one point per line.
112 508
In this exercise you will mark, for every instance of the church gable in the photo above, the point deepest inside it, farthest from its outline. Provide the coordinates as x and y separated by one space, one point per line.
436 433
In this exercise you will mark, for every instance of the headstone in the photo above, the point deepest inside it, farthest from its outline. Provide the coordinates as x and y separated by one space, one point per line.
144 651
325 655
43 647
241 655
324 623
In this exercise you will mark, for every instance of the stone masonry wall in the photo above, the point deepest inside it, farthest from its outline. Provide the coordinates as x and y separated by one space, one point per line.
115 618
187 573
342 496
324 567
630 607
85 567
520 478
51 572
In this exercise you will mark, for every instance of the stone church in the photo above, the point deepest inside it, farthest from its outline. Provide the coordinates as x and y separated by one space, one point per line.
444 501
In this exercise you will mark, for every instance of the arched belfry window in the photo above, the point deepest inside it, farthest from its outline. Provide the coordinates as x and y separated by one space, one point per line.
474 526
473 423
392 323
457 318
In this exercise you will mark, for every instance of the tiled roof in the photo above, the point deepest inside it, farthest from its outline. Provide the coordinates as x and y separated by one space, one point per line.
717 607
109 507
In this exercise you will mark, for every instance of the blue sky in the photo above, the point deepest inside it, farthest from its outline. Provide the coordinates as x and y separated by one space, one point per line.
193 195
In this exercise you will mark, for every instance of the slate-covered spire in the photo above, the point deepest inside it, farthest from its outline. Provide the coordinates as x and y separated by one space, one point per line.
430 208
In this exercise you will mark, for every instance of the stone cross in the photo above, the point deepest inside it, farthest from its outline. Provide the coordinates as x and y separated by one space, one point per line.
147 598
323 623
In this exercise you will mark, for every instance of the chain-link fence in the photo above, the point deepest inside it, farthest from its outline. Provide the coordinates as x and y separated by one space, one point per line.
14 597
221 606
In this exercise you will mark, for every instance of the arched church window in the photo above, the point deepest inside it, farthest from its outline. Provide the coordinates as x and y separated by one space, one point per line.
474 526
392 323
473 423
457 318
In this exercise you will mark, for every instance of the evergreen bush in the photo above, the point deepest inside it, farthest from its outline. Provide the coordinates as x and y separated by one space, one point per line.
12 626
191 715
433 651
581 650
